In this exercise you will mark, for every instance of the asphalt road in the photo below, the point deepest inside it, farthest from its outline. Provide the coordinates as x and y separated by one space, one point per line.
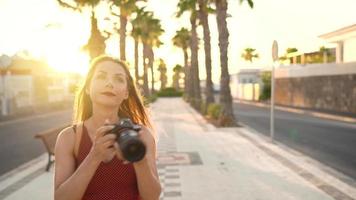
17 142
330 142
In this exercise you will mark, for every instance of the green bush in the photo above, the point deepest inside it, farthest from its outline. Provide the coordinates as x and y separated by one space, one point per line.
214 110
169 92
266 90
203 108
150 99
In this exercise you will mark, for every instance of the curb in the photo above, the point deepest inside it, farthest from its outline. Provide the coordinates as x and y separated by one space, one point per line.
299 111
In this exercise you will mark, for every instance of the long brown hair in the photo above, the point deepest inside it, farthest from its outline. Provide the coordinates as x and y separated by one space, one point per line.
132 107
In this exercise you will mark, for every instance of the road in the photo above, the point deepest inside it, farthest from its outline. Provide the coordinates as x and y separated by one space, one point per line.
17 143
330 142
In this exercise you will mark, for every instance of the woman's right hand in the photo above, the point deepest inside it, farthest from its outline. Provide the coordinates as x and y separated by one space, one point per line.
103 148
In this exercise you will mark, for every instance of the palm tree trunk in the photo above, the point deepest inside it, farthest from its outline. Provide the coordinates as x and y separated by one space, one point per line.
123 22
194 63
227 116
96 43
187 80
136 62
151 59
206 30
146 90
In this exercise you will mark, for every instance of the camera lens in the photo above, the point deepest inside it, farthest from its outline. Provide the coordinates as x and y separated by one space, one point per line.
132 148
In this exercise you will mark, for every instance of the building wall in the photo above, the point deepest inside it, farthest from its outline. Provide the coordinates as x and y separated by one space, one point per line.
328 87
21 90
350 50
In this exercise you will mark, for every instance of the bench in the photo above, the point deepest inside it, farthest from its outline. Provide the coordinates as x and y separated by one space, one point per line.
49 138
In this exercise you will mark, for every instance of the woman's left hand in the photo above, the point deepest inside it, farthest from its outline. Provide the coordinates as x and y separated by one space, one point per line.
148 139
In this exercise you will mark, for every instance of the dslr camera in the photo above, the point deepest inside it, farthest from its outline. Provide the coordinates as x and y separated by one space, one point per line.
131 146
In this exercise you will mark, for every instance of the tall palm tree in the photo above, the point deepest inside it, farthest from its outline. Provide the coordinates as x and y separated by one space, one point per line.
178 69
126 7
204 10
136 33
154 41
227 116
249 54
148 30
162 68
182 39
96 43
151 58
190 6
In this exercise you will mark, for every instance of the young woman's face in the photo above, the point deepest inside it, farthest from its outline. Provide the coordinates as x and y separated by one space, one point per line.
108 85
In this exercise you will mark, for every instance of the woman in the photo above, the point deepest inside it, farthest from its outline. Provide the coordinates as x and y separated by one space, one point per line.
89 164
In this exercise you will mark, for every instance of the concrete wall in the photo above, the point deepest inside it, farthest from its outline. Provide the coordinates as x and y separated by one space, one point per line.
329 87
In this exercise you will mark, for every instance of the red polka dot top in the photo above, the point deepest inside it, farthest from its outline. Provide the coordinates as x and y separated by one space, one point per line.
112 180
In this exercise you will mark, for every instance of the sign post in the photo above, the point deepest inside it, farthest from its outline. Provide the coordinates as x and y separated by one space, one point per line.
275 59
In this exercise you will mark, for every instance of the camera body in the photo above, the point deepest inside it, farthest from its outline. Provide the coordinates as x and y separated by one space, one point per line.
131 146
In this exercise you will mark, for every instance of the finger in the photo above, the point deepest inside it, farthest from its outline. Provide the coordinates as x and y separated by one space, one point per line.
112 152
116 146
105 138
118 152
107 122
100 132
109 144
109 136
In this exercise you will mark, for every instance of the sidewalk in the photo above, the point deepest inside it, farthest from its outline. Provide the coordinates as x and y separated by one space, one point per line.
198 161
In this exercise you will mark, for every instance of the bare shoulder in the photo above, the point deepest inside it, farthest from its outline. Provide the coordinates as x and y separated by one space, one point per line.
66 139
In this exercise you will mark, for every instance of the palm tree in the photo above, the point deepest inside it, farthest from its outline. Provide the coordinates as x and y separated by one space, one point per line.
151 58
190 6
291 50
181 40
96 43
126 7
178 69
147 29
249 54
136 33
285 56
204 10
163 73
227 116
154 32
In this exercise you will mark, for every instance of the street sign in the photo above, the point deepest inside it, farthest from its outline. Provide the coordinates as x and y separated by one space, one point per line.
275 51
5 61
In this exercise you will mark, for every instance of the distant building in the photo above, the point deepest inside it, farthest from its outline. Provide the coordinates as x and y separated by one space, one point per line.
246 84
28 83
315 57
345 39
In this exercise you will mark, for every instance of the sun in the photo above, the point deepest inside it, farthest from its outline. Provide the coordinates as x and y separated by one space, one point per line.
61 48
63 60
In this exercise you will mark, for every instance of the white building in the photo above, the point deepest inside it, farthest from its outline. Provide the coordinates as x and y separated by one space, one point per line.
345 39
246 84
30 83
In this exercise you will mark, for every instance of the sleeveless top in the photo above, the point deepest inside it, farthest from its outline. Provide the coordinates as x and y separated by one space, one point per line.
111 181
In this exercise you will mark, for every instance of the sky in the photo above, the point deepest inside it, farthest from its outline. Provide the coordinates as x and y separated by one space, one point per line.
56 34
